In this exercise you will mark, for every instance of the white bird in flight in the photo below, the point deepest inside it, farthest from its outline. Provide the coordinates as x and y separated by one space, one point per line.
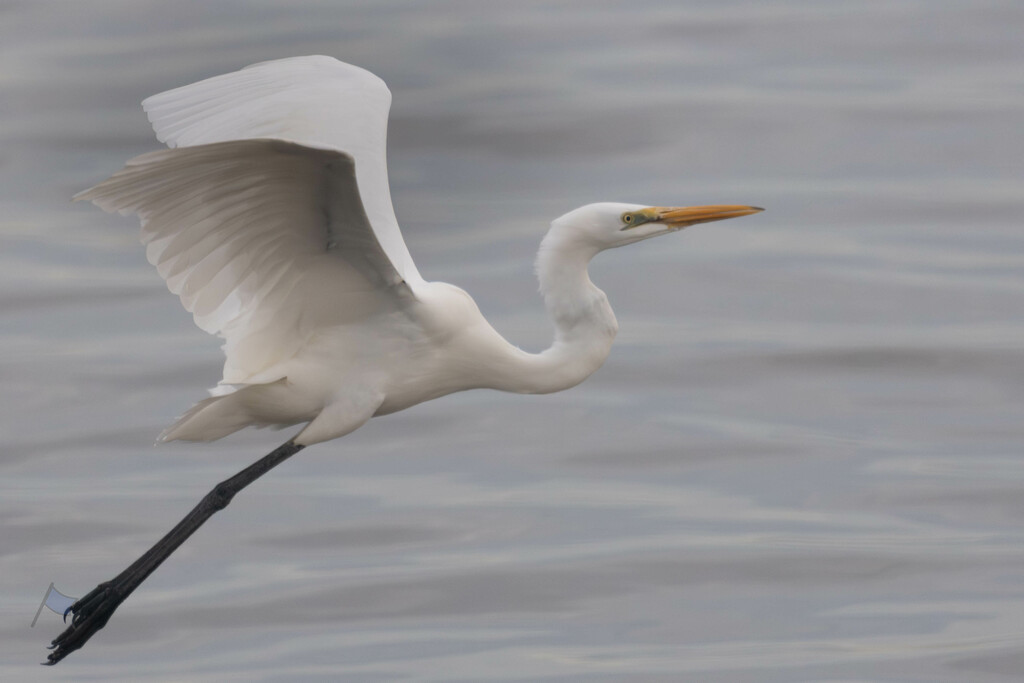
270 217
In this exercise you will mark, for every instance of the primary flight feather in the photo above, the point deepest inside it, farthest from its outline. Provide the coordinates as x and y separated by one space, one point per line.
270 217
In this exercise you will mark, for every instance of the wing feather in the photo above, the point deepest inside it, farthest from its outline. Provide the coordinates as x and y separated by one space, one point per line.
316 101
243 231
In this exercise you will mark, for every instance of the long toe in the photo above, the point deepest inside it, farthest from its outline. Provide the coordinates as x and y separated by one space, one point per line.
89 615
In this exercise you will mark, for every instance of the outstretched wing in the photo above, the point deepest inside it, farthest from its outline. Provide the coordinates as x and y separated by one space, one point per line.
265 241
316 101
272 219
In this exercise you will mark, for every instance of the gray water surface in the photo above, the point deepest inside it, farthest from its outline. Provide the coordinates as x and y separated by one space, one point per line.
802 461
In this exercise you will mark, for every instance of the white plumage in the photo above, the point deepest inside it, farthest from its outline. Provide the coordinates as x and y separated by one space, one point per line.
271 218
315 101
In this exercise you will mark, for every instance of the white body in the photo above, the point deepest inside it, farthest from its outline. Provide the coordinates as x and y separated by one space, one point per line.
343 375
272 221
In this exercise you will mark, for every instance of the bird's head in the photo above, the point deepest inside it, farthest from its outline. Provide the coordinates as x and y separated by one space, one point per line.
607 225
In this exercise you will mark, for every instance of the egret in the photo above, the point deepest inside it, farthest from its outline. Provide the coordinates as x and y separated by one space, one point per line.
270 216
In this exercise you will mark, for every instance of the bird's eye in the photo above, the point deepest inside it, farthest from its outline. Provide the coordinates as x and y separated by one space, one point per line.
627 218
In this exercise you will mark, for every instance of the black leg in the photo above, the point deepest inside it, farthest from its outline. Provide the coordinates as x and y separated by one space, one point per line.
91 612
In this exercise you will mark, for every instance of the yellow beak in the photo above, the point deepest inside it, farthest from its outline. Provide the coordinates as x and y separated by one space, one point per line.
681 217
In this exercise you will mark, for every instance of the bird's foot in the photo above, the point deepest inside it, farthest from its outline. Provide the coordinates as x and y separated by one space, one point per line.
88 615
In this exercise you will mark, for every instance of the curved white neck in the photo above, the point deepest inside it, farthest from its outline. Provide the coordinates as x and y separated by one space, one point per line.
584 323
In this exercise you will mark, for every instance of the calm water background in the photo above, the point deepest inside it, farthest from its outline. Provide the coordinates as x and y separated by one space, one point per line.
802 461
